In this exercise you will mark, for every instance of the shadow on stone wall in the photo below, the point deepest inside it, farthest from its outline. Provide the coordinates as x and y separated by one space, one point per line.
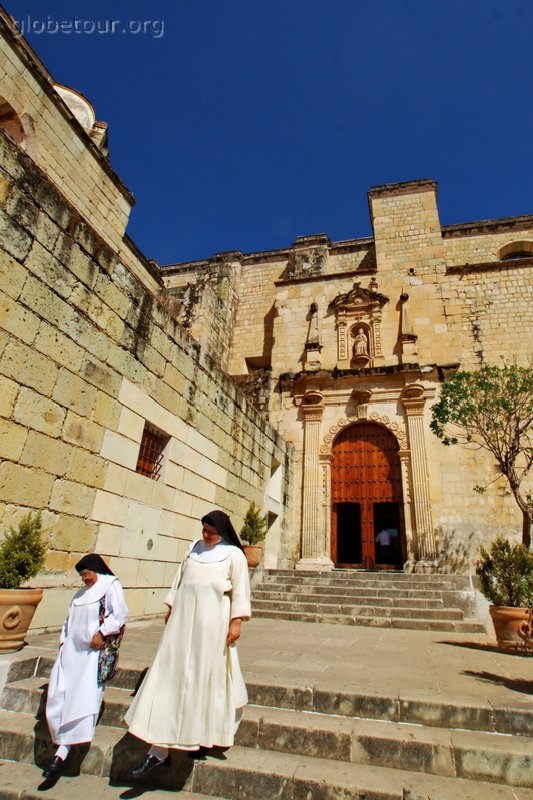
459 549
457 552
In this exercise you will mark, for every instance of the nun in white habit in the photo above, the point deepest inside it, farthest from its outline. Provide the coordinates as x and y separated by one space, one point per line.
193 694
74 693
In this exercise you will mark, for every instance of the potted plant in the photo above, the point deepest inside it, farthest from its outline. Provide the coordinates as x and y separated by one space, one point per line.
253 532
22 556
506 579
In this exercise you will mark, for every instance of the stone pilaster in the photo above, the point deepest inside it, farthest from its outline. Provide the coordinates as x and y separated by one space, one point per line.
410 536
414 401
313 553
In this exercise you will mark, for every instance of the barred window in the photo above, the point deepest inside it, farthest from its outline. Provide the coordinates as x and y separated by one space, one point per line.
151 454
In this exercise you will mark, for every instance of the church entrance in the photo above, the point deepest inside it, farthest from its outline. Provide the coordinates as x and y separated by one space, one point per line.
366 496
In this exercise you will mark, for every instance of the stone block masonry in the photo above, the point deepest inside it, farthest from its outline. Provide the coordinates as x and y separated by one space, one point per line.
88 359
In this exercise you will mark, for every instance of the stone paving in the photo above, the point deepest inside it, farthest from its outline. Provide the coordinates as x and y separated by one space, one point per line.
427 665
401 714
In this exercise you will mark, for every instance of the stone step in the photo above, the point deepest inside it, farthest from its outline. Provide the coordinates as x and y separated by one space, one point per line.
247 772
358 610
265 593
371 590
464 626
351 591
454 753
25 782
374 579
455 582
27 696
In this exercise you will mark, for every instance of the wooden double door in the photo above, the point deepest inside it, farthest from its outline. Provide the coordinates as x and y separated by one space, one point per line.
366 498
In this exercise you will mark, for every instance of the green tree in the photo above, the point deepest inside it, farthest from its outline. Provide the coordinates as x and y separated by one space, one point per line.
253 530
492 409
22 552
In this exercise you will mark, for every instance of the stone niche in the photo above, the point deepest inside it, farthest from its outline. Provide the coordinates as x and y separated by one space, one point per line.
358 324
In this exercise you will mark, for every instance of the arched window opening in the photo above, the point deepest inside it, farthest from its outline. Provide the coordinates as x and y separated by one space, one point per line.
517 254
516 250
11 124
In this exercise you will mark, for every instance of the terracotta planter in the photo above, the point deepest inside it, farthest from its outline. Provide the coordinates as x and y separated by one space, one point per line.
253 554
17 607
512 626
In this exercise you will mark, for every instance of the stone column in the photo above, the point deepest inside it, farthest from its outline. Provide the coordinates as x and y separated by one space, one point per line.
414 401
313 553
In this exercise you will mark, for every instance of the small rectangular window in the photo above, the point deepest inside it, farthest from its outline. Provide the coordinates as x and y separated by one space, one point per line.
151 453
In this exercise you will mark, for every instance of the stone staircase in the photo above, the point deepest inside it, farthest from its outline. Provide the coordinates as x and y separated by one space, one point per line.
293 744
380 599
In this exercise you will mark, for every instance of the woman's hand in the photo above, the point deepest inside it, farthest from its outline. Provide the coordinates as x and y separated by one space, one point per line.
97 642
234 631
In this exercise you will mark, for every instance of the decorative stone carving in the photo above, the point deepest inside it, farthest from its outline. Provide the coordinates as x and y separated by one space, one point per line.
360 348
312 343
394 427
360 345
306 262
407 338
358 318
361 398
341 423
357 296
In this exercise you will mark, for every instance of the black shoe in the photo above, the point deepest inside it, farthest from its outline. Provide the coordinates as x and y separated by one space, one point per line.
53 768
148 764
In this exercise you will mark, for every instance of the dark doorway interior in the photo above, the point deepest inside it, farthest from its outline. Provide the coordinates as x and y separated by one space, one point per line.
387 533
349 549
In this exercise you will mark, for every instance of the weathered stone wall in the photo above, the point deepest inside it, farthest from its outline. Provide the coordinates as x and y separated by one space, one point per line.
58 143
252 312
254 322
87 356
490 311
205 302
483 242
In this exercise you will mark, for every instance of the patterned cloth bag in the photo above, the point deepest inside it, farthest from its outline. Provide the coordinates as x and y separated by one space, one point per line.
108 655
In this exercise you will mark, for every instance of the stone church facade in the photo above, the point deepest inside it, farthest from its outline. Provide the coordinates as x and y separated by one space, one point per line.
134 397
345 346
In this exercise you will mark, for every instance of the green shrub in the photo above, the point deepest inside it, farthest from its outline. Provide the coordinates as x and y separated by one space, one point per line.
253 530
22 552
506 574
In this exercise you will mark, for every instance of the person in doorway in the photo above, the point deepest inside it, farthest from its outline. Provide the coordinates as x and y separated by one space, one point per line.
193 694
384 543
74 693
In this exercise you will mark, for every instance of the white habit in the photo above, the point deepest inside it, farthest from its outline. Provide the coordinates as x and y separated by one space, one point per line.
194 691
74 697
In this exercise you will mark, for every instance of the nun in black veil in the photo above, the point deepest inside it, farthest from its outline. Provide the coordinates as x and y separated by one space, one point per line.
194 693
75 694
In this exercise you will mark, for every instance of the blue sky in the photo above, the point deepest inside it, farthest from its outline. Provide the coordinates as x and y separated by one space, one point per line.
241 124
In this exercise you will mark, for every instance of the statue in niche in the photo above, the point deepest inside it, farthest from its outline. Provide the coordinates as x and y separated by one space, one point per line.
360 345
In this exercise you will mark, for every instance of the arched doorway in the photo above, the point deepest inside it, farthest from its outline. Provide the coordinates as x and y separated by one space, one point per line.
367 526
